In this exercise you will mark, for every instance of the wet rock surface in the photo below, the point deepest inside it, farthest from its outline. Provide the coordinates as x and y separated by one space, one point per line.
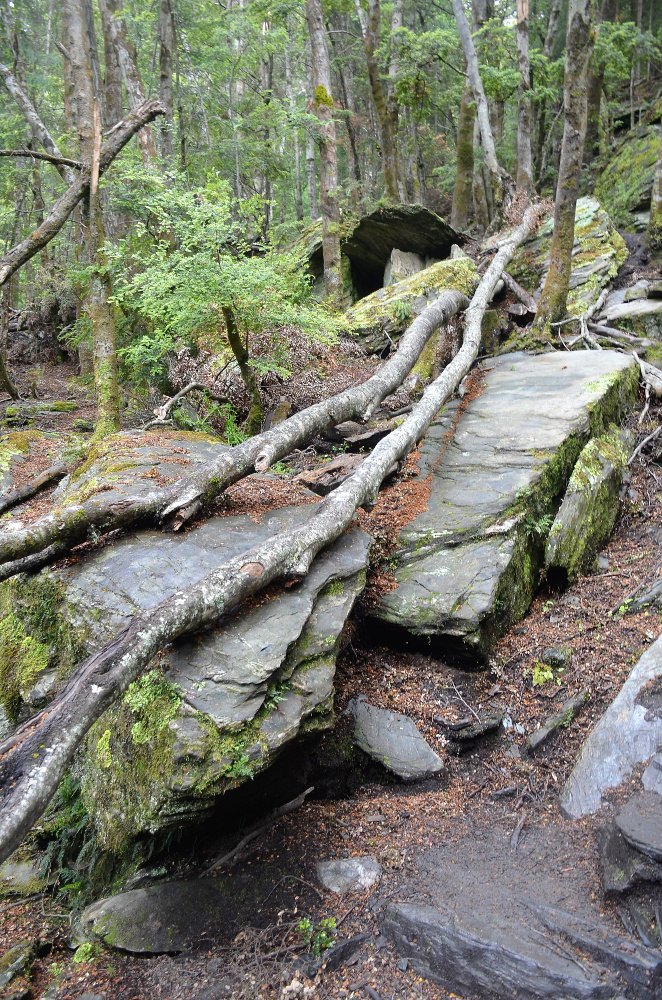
640 822
394 741
468 566
629 733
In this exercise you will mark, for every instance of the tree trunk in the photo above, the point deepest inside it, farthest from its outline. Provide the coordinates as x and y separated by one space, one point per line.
481 210
464 170
298 195
393 70
540 109
482 109
126 56
34 759
596 76
524 167
255 413
91 37
654 231
33 546
311 171
328 153
6 384
579 45
370 33
112 72
64 206
165 81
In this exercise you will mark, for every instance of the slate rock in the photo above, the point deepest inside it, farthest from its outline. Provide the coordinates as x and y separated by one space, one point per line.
627 734
349 874
402 265
343 952
587 515
622 866
484 955
651 779
394 741
469 565
22 878
560 720
640 822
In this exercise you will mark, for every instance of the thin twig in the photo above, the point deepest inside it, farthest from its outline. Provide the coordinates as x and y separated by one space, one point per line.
466 704
646 440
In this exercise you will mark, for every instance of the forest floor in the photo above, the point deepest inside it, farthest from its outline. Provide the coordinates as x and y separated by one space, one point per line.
482 796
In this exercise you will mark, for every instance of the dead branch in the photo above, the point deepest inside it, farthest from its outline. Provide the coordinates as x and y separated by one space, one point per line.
161 412
34 759
181 500
642 444
64 206
33 154
525 297
45 478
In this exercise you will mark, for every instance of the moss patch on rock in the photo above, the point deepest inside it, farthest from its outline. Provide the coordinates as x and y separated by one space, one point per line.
624 186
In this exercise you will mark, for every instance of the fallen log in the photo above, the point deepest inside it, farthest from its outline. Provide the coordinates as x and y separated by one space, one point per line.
64 206
40 482
34 759
71 525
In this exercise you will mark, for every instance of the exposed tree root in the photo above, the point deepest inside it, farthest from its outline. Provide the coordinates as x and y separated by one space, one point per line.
35 758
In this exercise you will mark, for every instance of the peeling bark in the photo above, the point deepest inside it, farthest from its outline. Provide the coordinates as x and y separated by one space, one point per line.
64 206
35 758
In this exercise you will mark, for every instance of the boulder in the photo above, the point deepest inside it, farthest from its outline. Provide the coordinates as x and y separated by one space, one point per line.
366 243
640 822
26 411
390 310
394 741
624 186
402 265
651 779
223 702
629 733
588 512
623 867
468 566
598 252
349 874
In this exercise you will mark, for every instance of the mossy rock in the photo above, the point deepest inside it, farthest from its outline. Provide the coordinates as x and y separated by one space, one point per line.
624 187
14 447
390 310
587 515
25 411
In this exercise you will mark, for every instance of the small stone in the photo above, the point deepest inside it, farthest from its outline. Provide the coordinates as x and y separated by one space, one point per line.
457 253
402 964
394 741
83 426
558 657
343 952
640 822
603 563
651 779
349 874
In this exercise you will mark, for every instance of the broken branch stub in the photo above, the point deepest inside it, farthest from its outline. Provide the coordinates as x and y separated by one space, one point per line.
35 758
184 498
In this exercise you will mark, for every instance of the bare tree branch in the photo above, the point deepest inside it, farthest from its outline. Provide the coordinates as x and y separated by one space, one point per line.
33 154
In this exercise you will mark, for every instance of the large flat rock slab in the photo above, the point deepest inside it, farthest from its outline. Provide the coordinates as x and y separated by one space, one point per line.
394 741
640 822
469 564
629 733
224 701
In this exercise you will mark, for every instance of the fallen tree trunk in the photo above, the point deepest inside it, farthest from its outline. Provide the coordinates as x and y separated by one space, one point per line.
35 758
64 206
14 497
70 525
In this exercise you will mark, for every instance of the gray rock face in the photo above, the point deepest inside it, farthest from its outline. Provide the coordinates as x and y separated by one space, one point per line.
622 866
651 779
587 515
349 874
394 741
468 566
629 733
480 954
640 822
402 265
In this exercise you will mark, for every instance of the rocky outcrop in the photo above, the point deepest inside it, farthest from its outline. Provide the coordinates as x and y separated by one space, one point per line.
624 186
467 567
597 254
218 706
388 312
587 515
394 741
629 733
366 243
638 309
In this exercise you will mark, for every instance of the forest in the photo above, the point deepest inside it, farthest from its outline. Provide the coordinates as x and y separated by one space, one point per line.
331 401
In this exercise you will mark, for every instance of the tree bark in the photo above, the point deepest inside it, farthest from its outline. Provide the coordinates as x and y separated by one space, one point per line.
181 500
311 171
482 109
165 81
370 32
524 167
35 758
321 70
481 211
64 206
112 71
654 230
255 413
464 170
579 45
596 76
298 195
6 384
127 59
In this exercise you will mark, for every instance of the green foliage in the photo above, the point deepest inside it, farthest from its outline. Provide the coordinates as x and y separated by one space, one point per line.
86 952
317 938
155 702
541 674
22 659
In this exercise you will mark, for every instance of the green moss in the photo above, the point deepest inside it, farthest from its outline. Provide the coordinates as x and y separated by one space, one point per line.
624 186
16 445
336 588
22 660
322 97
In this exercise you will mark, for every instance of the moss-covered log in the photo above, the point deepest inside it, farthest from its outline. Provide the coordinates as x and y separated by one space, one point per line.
34 759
